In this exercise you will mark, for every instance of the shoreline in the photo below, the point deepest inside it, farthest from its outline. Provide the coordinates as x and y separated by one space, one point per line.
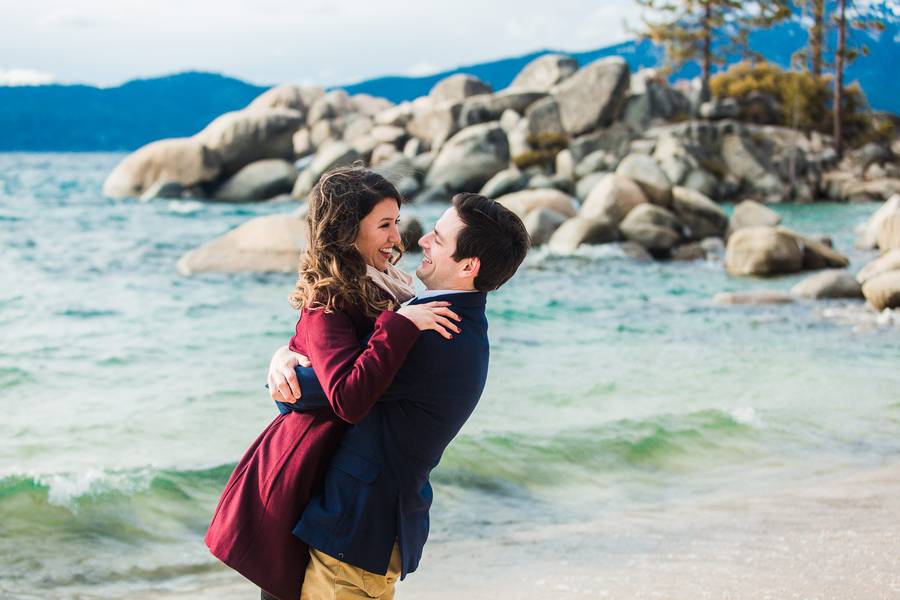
836 538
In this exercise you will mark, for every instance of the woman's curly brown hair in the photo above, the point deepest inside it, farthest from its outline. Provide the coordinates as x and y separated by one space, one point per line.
332 272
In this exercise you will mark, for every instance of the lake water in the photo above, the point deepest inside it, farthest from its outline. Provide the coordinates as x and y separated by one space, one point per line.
128 392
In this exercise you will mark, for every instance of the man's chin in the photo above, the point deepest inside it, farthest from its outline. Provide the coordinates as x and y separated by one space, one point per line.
422 275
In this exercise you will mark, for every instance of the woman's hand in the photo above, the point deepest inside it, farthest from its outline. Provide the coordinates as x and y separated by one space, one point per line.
431 315
282 380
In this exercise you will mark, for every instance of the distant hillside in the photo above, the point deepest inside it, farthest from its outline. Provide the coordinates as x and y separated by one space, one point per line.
84 118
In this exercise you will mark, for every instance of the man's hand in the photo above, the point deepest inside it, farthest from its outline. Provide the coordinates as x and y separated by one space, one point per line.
282 380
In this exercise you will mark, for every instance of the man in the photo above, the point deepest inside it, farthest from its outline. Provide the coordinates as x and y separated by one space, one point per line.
369 525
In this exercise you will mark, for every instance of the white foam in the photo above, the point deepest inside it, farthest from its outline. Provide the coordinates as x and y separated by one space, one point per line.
746 415
185 207
63 489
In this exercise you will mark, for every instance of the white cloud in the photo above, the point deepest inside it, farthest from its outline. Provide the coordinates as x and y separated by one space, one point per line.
69 19
14 77
421 68
270 41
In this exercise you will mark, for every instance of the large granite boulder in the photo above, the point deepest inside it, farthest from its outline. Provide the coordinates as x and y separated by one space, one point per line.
389 134
615 139
260 180
470 158
294 97
816 253
302 141
750 213
165 190
540 224
653 227
544 72
889 233
613 198
587 183
332 105
883 291
595 162
889 261
750 166
329 156
265 244
396 116
703 181
763 251
582 230
651 99
369 105
506 181
543 120
434 123
323 132
245 136
673 158
724 108
526 201
831 283
877 190
182 160
490 107
565 164
457 88
868 238
645 171
593 96
650 214
703 217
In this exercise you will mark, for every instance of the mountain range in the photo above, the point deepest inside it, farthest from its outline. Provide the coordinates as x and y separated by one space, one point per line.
86 118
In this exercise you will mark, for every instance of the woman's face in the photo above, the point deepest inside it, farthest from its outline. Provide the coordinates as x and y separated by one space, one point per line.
379 233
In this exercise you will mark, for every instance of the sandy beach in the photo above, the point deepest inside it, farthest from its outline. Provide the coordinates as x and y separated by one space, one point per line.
838 538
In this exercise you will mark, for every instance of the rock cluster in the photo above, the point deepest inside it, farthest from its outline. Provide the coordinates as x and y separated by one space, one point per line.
880 279
589 155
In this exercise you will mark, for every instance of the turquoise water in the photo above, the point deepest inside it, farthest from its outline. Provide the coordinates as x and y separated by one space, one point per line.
128 392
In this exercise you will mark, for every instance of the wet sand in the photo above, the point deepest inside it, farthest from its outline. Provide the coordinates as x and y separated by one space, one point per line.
836 538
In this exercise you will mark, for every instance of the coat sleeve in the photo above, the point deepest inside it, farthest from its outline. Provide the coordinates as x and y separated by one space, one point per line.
352 378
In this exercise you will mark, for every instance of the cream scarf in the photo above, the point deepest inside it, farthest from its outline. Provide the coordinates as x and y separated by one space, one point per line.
396 283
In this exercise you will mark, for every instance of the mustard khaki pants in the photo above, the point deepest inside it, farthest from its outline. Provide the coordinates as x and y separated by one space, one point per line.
328 578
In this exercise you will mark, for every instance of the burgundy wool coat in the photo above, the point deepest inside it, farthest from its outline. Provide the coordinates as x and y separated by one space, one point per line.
274 480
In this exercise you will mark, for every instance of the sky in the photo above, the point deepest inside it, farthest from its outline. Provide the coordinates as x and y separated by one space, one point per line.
108 42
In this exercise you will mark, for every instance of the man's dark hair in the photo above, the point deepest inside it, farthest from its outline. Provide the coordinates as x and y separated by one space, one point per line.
494 235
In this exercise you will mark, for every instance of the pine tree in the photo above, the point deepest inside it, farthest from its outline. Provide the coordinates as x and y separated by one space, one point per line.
811 57
706 32
863 15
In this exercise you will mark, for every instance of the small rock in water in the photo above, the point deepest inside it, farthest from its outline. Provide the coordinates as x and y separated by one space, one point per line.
754 297
410 232
832 283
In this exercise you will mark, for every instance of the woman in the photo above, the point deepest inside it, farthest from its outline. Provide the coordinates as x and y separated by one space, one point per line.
348 291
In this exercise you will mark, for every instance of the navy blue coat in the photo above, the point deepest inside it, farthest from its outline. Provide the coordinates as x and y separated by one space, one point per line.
376 489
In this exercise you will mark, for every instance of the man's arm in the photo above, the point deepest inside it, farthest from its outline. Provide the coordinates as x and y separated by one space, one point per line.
312 397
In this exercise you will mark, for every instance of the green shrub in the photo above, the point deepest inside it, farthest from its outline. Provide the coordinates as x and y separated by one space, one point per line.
545 146
805 99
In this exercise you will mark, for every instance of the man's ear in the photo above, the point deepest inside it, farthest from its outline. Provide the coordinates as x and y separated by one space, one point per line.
470 267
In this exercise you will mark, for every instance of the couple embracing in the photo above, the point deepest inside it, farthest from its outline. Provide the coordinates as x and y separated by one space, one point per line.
331 501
